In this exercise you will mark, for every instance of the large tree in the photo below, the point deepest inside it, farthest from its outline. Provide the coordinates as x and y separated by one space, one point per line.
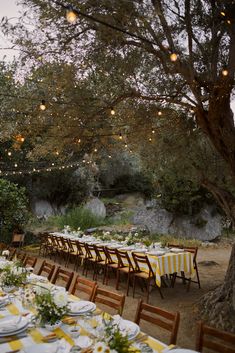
178 53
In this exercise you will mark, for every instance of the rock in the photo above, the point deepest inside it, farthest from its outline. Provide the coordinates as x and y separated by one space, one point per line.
131 200
96 207
208 263
44 209
202 226
157 220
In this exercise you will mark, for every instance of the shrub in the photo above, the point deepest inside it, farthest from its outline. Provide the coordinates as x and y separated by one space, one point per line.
14 211
137 182
79 217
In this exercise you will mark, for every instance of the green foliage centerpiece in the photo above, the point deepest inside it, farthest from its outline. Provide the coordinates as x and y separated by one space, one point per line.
12 275
52 306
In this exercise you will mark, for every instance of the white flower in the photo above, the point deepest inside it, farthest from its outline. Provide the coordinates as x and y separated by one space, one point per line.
113 351
100 347
3 265
17 270
6 253
60 299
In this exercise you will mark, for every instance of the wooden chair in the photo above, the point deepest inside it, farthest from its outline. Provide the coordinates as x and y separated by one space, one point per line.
30 261
12 253
20 256
157 316
111 262
147 275
46 268
100 261
84 285
17 239
214 339
124 266
110 299
64 276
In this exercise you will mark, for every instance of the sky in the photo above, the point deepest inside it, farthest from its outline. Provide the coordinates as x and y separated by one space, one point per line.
10 9
7 8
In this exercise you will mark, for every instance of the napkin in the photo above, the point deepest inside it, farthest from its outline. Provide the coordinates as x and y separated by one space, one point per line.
83 341
10 324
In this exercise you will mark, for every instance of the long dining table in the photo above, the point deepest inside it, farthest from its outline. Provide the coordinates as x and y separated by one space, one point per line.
32 340
162 262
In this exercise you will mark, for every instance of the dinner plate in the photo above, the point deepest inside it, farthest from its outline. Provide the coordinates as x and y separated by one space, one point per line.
127 248
129 328
176 250
3 301
156 252
182 350
11 325
80 307
140 250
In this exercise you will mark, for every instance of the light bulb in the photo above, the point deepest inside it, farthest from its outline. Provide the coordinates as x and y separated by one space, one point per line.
110 156
22 139
225 72
42 105
159 113
16 165
71 16
173 57
95 150
112 111
153 131
120 136
222 13
150 140
126 145
9 153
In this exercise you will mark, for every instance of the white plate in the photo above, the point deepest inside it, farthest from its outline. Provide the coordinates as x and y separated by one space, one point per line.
182 350
12 329
83 341
176 250
52 347
156 252
128 328
140 250
127 248
80 307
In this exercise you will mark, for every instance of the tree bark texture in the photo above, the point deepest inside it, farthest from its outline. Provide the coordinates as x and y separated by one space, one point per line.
217 307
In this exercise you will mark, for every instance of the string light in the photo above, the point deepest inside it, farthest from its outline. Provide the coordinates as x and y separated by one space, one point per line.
120 136
222 13
225 72
159 113
110 156
228 22
126 145
153 131
95 150
15 165
9 153
112 111
173 57
43 105
71 15
150 140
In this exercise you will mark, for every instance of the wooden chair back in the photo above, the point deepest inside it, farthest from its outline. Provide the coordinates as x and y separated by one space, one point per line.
17 239
64 276
84 285
12 253
90 251
157 316
81 248
100 253
111 255
124 260
110 299
214 339
142 261
30 261
46 268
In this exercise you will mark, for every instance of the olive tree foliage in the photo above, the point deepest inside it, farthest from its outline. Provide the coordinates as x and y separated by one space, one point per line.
14 211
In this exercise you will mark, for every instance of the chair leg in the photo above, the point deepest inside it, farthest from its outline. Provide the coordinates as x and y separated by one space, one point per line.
128 283
134 283
198 280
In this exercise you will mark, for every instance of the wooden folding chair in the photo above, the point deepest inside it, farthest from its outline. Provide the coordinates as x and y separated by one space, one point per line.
147 275
124 266
110 299
111 262
157 316
30 261
46 268
63 276
214 339
84 285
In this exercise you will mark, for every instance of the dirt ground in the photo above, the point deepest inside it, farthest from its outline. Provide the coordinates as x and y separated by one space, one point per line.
177 298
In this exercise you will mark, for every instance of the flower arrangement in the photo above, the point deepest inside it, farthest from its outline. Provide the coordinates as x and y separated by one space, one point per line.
52 306
113 340
66 229
13 275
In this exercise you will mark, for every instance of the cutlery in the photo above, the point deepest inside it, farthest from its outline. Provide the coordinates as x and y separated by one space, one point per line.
12 338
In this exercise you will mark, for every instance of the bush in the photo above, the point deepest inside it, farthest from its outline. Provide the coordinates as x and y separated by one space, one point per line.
138 182
79 217
14 211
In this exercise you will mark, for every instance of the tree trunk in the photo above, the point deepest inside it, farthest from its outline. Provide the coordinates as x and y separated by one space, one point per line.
224 198
217 307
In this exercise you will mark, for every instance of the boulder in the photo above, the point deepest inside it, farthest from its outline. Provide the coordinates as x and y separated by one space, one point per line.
44 209
204 226
96 207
